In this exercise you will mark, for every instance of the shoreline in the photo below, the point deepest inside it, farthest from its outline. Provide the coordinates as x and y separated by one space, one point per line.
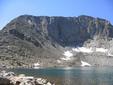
59 67
10 78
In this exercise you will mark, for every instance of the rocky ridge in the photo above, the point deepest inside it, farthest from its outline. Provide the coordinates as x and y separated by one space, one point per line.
49 41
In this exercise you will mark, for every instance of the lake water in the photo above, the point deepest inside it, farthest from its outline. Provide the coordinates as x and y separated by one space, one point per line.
72 76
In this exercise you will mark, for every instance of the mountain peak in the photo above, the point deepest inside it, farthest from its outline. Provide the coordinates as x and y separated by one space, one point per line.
62 29
47 36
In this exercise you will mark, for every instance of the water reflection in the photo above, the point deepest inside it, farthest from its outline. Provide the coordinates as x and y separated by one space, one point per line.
88 76
67 78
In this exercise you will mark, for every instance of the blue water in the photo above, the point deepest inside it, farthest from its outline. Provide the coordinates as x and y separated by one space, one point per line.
73 76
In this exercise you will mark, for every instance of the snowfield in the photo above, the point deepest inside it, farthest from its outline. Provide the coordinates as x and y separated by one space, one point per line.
83 49
89 50
67 55
103 50
85 64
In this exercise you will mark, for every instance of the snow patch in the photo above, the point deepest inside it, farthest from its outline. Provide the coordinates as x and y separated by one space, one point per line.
29 21
36 65
83 49
85 64
66 58
59 61
103 50
68 54
89 50
109 54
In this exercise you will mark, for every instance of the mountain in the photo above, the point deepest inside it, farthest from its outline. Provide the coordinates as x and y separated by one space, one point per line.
56 41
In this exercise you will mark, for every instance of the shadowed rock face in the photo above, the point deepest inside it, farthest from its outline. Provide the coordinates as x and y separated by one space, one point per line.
63 30
42 39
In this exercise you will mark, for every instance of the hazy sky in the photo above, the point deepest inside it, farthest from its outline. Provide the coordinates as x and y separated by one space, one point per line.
10 9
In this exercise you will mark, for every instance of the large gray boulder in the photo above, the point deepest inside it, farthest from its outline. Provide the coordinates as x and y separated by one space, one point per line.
5 81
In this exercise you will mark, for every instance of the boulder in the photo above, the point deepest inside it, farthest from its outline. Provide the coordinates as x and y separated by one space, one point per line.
5 81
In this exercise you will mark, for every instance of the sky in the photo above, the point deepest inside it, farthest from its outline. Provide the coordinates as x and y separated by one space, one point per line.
10 9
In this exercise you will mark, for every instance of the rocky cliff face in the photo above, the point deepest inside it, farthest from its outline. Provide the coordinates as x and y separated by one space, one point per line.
28 39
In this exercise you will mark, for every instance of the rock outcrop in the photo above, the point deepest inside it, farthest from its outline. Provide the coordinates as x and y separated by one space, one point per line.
30 39
9 78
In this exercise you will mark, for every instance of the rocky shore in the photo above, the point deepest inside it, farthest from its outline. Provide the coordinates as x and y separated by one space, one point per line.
10 78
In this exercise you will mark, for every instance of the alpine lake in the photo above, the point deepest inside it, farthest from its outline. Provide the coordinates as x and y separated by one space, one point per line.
72 75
